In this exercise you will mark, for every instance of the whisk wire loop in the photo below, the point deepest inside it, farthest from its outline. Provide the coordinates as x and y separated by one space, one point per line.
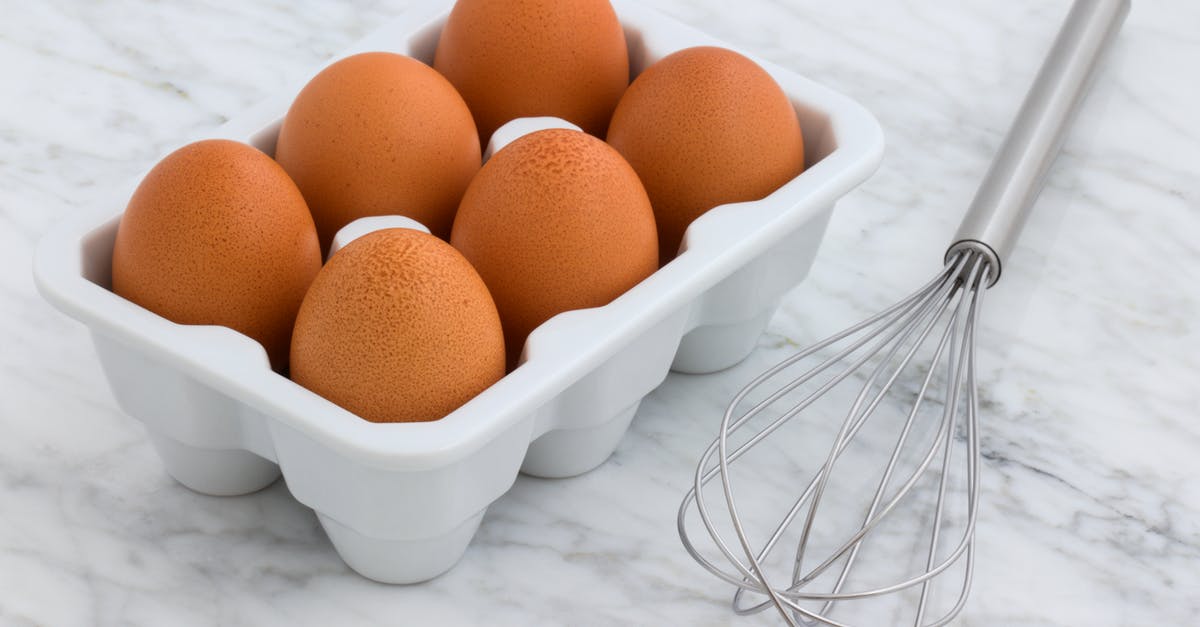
945 310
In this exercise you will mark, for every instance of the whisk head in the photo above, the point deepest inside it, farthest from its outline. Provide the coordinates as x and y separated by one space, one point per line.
913 365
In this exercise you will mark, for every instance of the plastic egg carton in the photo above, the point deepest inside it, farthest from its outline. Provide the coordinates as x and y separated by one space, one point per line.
401 502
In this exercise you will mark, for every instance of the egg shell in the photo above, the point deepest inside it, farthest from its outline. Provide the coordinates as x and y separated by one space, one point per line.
527 58
398 327
379 133
703 127
218 234
555 221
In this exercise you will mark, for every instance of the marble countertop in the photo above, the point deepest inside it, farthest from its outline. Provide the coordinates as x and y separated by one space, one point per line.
1088 358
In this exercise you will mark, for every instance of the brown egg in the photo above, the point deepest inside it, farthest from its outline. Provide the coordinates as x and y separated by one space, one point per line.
398 327
375 134
555 221
525 58
218 234
704 127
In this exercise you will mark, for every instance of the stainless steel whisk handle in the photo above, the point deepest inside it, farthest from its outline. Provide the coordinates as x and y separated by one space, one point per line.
1018 171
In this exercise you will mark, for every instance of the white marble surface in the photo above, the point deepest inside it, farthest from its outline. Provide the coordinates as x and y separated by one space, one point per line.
1088 360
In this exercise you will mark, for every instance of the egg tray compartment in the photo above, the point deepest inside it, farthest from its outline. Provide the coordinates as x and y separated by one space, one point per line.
401 502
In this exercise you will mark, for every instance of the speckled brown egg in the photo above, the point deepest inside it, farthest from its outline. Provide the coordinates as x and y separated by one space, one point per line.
378 134
555 221
218 234
704 127
524 58
398 327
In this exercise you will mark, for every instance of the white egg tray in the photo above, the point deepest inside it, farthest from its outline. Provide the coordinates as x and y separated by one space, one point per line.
401 502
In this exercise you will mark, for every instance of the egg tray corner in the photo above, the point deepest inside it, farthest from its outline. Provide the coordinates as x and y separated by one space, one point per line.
401 502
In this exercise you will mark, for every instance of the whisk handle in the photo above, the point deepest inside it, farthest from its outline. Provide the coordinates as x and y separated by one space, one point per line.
1018 171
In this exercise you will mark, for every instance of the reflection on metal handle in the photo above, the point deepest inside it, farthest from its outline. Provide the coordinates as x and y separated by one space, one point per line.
1018 171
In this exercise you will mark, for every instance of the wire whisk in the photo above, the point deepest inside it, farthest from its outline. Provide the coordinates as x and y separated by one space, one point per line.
941 317
918 355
